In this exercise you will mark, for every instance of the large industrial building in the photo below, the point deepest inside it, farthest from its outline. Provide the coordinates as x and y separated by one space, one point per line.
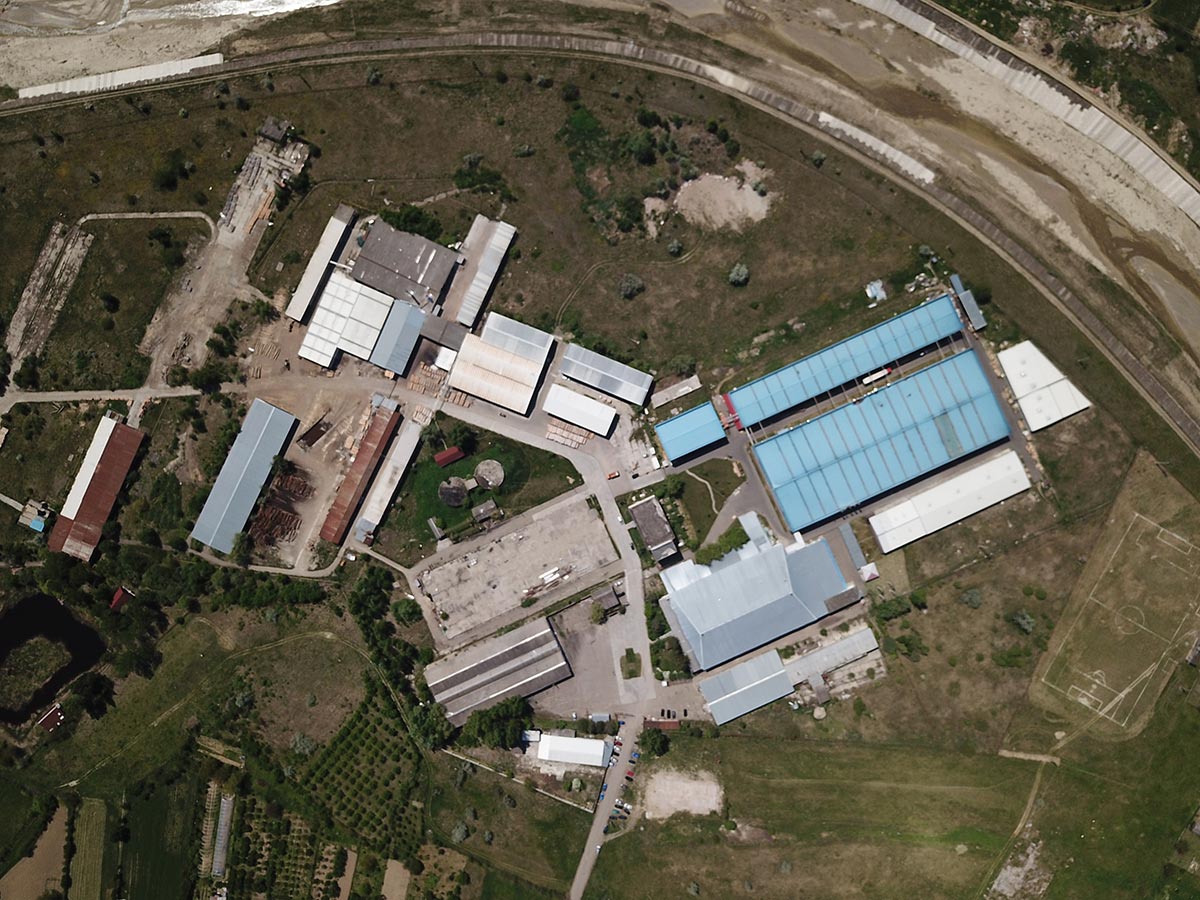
887 439
504 364
484 248
94 492
1043 393
574 751
265 431
754 595
520 662
404 448
607 375
363 322
381 428
883 346
745 687
690 432
950 500
579 409
404 265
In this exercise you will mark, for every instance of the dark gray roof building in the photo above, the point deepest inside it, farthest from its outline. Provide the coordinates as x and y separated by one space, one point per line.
402 265
519 663
754 595
265 430
654 527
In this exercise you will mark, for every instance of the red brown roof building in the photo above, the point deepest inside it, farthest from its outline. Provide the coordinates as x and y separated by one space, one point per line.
385 419
94 493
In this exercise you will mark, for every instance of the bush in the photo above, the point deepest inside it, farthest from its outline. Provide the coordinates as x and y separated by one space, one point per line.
887 610
972 598
570 92
675 248
667 655
630 285
499 726
739 275
734 536
1023 621
413 219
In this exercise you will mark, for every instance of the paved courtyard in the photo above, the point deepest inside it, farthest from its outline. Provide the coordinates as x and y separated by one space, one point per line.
555 547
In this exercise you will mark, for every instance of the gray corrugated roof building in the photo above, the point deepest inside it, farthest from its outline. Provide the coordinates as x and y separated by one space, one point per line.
607 375
753 596
746 687
398 263
398 337
970 306
516 337
518 663
830 656
265 430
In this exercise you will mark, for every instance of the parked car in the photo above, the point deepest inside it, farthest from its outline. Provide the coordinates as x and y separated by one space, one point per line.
633 757
629 778
612 475
629 774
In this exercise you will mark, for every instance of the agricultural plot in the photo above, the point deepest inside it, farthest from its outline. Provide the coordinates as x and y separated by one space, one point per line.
1133 613
87 866
366 777
277 853
162 829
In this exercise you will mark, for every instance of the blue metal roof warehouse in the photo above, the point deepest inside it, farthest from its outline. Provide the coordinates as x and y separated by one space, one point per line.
265 430
690 431
845 361
861 450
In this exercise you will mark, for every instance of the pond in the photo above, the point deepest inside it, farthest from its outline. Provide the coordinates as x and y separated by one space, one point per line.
44 617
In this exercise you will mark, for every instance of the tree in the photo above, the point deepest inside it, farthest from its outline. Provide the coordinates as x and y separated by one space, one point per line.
653 742
499 726
675 248
739 275
570 92
630 285
462 436
406 610
95 693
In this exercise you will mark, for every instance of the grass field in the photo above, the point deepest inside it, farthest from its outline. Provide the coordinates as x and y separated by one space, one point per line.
533 836
1135 609
722 478
826 819
163 832
531 477
23 816
502 886
39 433
93 347
91 838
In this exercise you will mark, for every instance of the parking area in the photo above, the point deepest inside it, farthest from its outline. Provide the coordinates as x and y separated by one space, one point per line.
551 549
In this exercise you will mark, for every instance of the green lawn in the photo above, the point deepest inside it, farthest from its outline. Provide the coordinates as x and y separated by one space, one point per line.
531 477
93 346
164 829
499 885
696 499
825 819
38 433
531 835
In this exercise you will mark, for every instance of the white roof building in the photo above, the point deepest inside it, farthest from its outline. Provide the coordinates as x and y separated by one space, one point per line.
607 375
573 407
516 337
1044 394
950 501
349 317
331 239
574 751
504 364
499 236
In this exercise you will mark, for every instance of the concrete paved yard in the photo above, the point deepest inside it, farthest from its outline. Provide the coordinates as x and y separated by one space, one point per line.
491 579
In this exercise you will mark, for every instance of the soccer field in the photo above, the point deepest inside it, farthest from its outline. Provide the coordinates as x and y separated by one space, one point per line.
1136 620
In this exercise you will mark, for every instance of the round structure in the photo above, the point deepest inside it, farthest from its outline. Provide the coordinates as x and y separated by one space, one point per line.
453 492
489 474
818 713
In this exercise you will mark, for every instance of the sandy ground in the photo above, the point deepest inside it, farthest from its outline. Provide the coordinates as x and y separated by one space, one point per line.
670 792
34 875
395 881
719 201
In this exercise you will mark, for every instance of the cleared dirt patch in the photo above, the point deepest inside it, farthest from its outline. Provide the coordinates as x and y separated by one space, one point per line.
670 792
719 201
42 871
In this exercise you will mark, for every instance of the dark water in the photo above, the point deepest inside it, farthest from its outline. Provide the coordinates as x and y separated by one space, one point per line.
44 616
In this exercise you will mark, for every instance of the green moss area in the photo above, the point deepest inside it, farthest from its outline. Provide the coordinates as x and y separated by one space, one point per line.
27 667
531 477
126 271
